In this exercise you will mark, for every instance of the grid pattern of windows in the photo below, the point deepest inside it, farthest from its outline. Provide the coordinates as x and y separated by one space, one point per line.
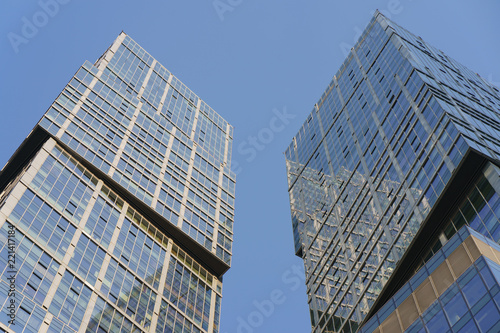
29 315
154 90
206 186
105 318
57 326
226 217
197 227
188 262
169 203
456 303
128 286
126 65
188 293
210 137
56 115
44 224
217 314
470 101
36 269
106 120
471 304
480 209
201 200
207 169
128 293
70 300
216 119
124 92
102 220
64 185
370 162
87 259
171 320
139 167
224 247
179 110
98 127
140 252
128 117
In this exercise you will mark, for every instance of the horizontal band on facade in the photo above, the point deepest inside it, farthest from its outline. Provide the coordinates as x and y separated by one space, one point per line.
39 136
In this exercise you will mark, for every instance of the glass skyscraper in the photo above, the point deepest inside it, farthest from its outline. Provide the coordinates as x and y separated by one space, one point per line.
394 185
116 212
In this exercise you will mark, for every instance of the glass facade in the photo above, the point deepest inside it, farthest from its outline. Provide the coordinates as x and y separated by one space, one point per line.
468 306
121 218
458 290
372 162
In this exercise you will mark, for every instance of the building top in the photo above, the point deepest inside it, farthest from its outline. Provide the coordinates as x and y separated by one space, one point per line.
127 119
125 46
441 71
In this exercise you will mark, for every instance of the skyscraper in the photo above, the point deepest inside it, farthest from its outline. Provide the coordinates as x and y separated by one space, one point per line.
116 212
394 191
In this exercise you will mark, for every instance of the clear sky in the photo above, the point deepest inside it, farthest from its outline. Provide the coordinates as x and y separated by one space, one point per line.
262 65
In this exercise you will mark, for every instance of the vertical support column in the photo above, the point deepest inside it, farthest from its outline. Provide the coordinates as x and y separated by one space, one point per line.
46 323
163 168
111 247
125 140
132 122
90 206
106 58
211 317
226 147
53 287
225 163
195 121
71 249
146 79
156 311
186 187
217 210
100 278
164 96
88 313
11 202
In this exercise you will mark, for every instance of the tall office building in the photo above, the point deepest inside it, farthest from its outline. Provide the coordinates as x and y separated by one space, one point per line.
394 192
119 206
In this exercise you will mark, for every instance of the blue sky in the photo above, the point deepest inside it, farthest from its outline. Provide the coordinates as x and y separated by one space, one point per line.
260 64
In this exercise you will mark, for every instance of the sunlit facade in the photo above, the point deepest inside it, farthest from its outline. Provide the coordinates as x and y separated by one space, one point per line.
121 203
399 153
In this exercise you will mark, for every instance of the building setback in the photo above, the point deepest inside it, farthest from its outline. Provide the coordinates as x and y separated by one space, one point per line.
119 206
394 185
